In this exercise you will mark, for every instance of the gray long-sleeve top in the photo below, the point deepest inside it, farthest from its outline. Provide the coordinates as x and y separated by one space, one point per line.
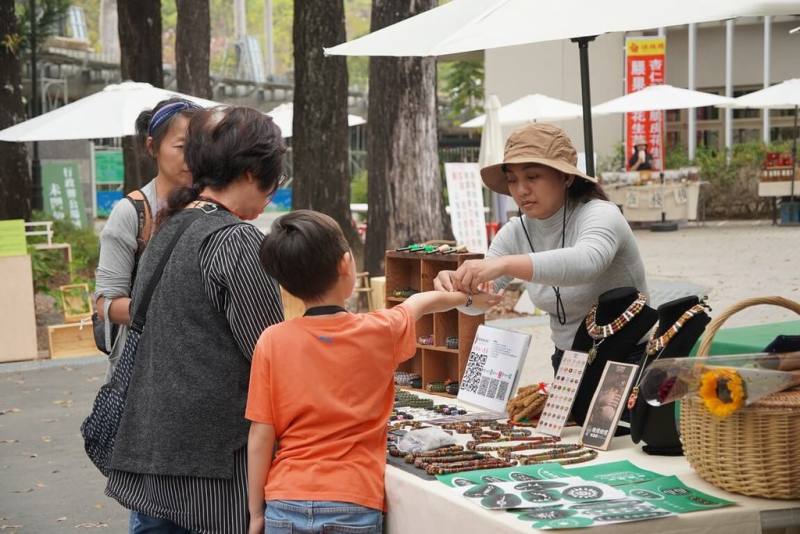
117 252
600 253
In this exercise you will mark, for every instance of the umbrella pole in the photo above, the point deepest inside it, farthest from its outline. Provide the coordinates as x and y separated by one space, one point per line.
586 96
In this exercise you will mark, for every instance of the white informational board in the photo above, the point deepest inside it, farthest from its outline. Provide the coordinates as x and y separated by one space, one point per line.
465 193
494 364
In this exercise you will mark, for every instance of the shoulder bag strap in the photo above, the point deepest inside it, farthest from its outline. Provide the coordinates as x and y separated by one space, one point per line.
141 310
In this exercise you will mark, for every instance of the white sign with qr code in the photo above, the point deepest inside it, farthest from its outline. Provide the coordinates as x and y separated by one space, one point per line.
493 367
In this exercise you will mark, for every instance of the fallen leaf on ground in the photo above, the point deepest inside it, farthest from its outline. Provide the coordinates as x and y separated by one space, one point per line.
62 518
22 491
66 403
10 410
92 525
47 439
10 441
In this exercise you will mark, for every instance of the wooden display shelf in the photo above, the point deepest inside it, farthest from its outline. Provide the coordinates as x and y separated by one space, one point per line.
437 348
435 363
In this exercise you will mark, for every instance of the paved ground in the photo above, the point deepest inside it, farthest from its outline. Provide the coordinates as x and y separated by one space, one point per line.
48 485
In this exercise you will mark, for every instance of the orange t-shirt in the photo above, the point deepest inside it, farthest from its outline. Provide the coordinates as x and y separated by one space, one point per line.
326 383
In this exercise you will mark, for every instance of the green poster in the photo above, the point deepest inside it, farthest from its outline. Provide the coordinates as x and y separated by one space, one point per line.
614 473
520 473
12 238
673 495
109 168
61 189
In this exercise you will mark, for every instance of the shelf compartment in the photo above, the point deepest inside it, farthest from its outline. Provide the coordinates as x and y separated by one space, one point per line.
438 367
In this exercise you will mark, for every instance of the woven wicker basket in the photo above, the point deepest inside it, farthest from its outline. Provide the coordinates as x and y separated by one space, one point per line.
756 450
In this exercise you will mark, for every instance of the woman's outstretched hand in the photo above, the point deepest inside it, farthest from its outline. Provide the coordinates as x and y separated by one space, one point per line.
472 275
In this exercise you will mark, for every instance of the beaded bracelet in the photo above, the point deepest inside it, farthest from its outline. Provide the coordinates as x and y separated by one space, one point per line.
567 458
478 464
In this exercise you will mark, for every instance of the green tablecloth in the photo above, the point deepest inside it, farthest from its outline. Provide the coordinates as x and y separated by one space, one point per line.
748 339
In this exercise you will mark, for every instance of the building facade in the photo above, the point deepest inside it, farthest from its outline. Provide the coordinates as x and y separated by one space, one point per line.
552 68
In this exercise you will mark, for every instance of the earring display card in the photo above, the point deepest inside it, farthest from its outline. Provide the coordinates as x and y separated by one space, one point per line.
607 404
495 360
561 393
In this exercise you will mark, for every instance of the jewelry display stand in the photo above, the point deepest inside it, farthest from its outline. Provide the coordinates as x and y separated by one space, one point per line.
620 347
656 425
434 363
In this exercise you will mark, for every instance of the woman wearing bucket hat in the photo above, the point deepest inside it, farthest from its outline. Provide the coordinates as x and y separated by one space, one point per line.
569 243
641 159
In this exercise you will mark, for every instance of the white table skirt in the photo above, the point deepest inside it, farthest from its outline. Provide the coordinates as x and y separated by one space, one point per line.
418 506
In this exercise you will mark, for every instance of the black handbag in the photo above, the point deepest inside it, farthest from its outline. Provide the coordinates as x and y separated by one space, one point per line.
99 429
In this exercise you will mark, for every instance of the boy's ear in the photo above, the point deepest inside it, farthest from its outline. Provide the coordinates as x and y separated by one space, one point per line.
344 263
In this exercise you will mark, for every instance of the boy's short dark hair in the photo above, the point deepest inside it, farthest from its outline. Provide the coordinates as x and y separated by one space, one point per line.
302 252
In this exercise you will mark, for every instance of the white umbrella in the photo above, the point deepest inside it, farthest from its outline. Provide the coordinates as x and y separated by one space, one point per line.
785 95
468 25
531 108
111 112
492 151
283 116
659 98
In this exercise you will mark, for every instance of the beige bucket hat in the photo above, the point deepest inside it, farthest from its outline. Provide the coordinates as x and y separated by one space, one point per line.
545 144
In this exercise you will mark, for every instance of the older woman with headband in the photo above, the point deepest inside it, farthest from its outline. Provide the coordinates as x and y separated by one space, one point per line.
569 243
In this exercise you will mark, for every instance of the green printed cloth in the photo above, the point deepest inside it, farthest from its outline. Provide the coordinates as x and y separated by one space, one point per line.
671 494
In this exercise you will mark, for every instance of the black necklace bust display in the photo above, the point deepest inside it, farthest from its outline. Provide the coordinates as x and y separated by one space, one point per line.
656 425
623 346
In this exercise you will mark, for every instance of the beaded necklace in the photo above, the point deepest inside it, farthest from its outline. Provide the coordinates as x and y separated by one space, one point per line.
600 333
488 463
509 452
656 346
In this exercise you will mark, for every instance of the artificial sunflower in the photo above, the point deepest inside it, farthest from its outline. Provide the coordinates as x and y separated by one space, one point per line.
722 391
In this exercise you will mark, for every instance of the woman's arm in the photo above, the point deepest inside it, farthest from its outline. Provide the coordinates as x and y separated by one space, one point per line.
116 262
601 230
238 286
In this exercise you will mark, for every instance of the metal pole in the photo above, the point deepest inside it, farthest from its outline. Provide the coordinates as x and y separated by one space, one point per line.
37 203
767 61
728 87
691 141
586 94
240 19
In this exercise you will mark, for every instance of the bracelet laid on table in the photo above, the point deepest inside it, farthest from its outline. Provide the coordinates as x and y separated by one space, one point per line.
566 458
488 463
552 448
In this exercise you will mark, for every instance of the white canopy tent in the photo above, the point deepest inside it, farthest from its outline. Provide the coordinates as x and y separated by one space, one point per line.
111 112
283 116
659 98
468 25
531 108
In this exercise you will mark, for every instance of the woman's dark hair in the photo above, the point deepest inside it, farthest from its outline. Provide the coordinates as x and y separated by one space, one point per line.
144 118
224 143
302 252
583 191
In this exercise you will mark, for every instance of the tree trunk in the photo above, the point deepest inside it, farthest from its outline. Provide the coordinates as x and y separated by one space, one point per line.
320 138
139 24
15 178
192 47
404 189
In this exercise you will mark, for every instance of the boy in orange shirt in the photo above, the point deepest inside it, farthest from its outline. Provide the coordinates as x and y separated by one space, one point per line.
322 386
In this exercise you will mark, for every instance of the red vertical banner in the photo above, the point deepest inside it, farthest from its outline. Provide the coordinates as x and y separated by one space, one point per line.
645 65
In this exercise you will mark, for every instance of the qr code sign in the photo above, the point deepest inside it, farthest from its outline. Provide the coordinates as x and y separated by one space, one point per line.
473 372
502 390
